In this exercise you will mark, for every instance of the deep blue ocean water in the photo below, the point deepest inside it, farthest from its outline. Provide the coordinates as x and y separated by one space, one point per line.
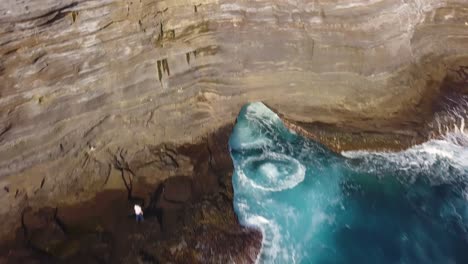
316 206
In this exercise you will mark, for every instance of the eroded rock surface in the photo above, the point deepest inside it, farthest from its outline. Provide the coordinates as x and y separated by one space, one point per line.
183 224
94 94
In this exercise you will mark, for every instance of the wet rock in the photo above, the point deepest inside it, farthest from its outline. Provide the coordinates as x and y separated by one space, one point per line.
146 258
178 189
210 233
23 255
43 229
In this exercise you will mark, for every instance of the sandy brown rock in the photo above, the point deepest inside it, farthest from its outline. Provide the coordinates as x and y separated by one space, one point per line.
182 224
87 87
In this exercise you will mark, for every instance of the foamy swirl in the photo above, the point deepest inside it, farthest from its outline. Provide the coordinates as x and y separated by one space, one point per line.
272 172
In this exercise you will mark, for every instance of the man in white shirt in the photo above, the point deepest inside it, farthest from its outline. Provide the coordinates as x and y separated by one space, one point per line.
138 213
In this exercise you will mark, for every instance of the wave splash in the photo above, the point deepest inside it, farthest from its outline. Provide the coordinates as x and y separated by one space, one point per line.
314 206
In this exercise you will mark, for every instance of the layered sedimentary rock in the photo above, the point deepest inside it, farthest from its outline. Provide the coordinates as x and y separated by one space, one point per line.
88 89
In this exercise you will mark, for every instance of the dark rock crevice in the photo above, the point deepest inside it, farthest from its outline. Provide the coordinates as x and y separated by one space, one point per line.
121 164
179 213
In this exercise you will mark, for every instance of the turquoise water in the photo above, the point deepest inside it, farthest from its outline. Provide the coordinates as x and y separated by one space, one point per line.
316 206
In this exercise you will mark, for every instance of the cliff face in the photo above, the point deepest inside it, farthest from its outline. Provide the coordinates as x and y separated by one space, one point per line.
86 87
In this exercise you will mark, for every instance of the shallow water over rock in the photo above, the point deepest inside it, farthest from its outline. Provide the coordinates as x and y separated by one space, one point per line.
316 206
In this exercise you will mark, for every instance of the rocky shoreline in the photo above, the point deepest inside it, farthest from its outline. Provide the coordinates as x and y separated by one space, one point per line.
187 220
97 96
189 217
399 132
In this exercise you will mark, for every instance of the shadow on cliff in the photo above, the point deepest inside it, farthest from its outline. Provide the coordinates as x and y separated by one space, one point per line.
187 219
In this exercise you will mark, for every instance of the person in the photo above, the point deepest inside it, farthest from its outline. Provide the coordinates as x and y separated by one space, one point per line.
138 213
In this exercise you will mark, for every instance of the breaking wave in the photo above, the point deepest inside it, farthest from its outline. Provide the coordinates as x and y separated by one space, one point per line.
313 206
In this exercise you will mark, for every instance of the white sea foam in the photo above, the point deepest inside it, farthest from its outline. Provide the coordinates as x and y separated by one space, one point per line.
271 241
274 172
259 111
259 128
429 151
258 143
277 179
271 235
261 116
443 160
270 170
244 138
317 221
451 145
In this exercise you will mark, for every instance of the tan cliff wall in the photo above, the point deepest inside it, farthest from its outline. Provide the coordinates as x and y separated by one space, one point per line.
80 81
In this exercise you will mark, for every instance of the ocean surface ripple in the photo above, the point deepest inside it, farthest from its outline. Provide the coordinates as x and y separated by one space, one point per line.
316 206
